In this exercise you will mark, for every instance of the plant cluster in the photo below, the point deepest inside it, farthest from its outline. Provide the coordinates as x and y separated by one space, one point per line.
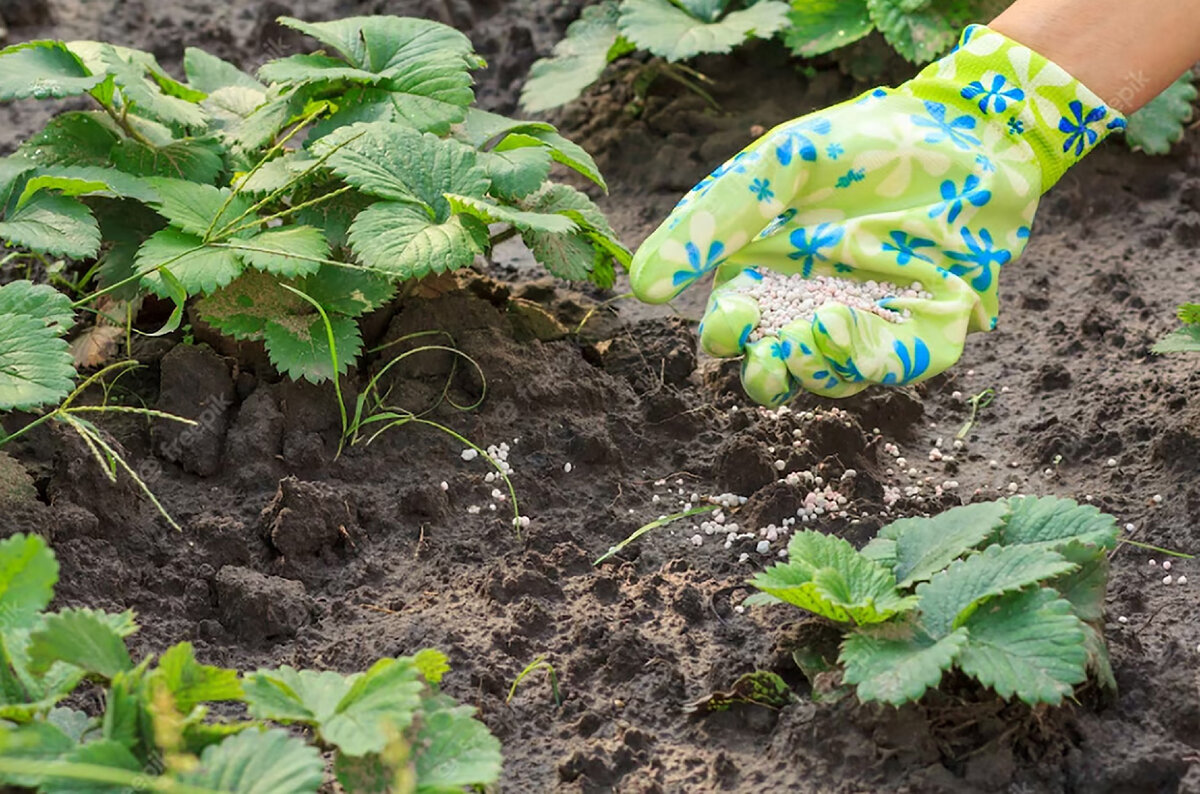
387 729
289 204
1009 592
1185 339
675 30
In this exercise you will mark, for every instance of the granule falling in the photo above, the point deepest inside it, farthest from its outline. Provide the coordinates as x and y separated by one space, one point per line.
783 299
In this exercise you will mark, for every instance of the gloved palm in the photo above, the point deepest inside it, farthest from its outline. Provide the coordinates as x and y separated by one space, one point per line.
934 182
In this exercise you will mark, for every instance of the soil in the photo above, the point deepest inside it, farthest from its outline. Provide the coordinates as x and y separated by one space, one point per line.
290 554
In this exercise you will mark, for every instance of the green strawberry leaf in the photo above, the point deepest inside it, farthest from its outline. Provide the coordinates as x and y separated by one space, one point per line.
73 138
925 546
132 72
199 268
28 573
229 109
191 683
820 26
952 596
1027 644
827 576
456 750
288 251
402 239
37 300
1051 522
43 70
920 33
394 162
576 62
432 664
1086 586
578 255
51 224
84 638
895 667
351 712
36 367
515 173
258 762
208 73
195 208
1163 120
348 290
298 345
193 160
668 31
87 180
487 212
422 68
243 307
1182 340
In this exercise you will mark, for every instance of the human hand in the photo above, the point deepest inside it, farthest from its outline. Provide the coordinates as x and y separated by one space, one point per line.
892 214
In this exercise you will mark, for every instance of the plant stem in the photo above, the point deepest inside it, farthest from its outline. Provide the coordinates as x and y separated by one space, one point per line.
507 234
121 121
661 522
1159 549
227 232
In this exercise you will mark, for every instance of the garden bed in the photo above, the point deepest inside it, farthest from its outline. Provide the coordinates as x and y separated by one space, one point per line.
290 556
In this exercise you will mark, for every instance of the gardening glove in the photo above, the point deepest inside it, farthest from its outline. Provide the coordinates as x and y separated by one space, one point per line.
935 182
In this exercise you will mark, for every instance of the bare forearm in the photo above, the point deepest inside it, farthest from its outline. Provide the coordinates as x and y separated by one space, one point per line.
1127 51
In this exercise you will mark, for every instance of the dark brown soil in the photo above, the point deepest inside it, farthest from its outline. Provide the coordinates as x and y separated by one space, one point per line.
288 555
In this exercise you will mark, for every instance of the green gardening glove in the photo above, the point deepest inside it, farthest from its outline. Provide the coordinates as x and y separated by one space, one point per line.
860 244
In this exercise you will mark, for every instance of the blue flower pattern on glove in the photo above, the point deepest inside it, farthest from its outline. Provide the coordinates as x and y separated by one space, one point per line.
761 188
808 248
1080 135
905 247
797 141
953 200
700 264
996 96
954 130
982 257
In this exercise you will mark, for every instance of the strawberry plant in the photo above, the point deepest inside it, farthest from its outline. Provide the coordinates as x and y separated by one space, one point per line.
670 30
674 30
1187 338
309 191
1009 592
385 729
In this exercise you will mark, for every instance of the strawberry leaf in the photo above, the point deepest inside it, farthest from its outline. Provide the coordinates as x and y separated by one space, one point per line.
576 62
953 595
403 240
1028 645
52 224
1163 120
421 68
255 761
198 267
897 669
288 251
28 573
820 26
43 70
668 31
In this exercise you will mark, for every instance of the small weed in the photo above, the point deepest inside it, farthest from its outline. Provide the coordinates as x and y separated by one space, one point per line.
539 663
977 402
